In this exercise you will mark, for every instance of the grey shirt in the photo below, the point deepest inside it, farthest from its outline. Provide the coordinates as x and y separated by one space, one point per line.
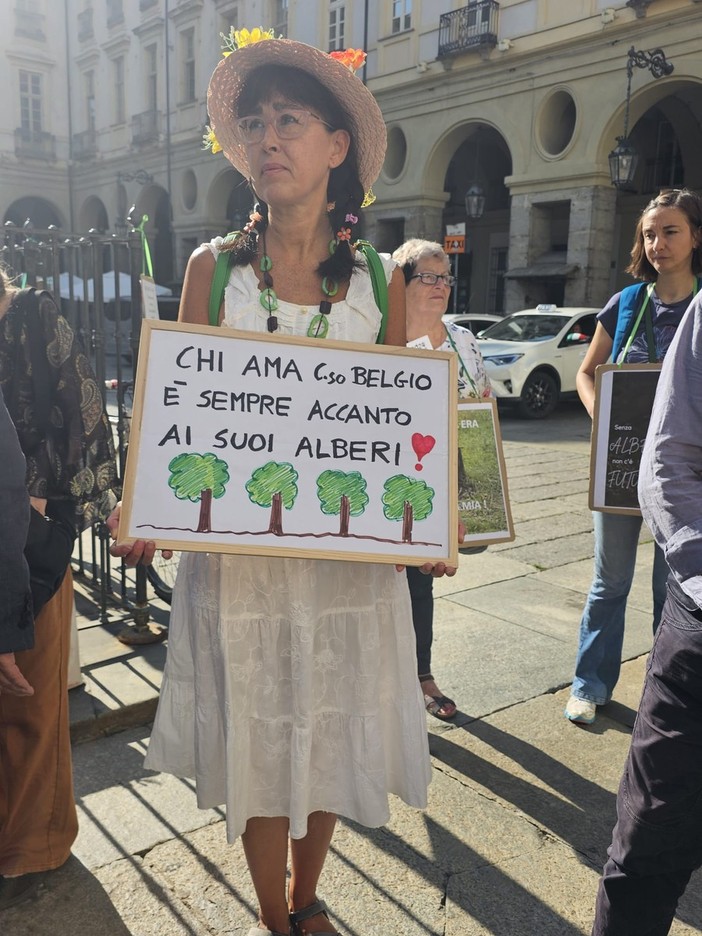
670 478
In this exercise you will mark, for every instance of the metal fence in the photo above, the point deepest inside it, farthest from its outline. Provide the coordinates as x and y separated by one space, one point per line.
94 279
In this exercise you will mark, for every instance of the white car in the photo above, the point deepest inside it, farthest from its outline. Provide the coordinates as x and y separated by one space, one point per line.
477 322
532 356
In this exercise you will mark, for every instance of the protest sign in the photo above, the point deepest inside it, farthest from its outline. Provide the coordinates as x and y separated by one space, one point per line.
483 499
623 402
263 444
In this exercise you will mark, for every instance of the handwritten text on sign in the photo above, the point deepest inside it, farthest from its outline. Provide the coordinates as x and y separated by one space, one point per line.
623 403
288 446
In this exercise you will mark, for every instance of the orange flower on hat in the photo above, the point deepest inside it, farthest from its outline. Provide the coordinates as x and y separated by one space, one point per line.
210 141
240 38
353 59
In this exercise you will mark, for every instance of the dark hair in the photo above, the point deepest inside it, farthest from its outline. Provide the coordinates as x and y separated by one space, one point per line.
691 206
344 190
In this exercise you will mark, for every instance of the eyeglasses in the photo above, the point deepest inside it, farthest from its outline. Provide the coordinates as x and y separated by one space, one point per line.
431 279
288 125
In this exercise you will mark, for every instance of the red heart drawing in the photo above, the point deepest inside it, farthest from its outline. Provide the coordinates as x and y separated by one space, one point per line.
422 444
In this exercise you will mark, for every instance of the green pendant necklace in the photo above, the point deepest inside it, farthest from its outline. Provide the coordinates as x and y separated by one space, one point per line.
319 326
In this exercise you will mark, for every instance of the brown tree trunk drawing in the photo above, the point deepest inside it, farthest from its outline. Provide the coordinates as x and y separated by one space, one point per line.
276 524
204 523
407 522
344 515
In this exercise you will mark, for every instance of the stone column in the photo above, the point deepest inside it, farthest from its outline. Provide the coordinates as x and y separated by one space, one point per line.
591 244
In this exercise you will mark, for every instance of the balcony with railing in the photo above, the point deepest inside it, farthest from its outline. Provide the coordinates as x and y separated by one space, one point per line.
146 127
35 144
471 27
84 144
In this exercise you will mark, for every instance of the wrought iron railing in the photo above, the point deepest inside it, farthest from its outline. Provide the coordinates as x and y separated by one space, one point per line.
472 27
146 127
34 144
86 275
84 144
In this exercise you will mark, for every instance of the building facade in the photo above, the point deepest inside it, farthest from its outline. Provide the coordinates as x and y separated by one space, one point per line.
516 103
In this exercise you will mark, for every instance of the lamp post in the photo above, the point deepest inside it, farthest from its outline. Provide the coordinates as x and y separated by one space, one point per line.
624 159
141 177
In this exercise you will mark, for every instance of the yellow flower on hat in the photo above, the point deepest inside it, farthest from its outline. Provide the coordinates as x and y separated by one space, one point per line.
210 141
353 59
240 38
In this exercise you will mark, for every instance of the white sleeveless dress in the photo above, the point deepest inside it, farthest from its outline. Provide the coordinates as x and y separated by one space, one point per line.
291 684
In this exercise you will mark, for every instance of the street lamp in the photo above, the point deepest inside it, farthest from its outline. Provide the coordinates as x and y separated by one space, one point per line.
475 201
475 196
624 159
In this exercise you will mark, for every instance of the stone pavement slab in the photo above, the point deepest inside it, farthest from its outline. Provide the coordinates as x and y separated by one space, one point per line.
520 812
521 804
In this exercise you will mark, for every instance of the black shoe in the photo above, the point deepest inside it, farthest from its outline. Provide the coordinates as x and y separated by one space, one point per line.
14 890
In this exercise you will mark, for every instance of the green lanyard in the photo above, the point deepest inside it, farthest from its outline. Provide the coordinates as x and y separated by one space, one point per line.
462 365
146 266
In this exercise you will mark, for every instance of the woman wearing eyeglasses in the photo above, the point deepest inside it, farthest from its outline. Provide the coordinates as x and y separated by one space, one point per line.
428 284
289 691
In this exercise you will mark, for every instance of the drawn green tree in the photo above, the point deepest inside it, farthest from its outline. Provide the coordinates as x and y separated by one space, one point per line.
197 477
342 493
408 500
274 485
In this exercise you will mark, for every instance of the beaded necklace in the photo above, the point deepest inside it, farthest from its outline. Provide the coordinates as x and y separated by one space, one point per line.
319 326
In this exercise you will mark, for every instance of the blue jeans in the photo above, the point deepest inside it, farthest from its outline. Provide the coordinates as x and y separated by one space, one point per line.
657 841
602 624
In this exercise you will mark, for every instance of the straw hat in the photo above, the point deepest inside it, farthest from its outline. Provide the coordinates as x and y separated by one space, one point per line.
366 122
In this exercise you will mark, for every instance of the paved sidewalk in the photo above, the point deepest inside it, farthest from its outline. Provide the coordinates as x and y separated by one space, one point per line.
521 802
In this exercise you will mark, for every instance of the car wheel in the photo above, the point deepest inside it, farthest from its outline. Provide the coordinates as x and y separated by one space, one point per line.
539 396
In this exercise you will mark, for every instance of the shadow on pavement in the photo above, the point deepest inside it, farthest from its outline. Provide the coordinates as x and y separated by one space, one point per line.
71 901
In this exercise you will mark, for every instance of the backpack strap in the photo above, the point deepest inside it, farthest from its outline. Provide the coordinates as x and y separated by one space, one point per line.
223 266
379 283
630 300
220 277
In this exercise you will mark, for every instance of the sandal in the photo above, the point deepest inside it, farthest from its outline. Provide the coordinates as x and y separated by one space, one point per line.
435 704
299 916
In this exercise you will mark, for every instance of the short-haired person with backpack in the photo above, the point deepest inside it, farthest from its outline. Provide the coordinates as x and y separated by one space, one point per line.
636 326
290 691
57 410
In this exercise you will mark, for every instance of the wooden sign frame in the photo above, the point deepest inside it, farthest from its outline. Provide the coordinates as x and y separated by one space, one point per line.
623 403
378 487
483 494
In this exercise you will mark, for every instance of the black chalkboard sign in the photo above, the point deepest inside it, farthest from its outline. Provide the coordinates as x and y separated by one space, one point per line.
623 403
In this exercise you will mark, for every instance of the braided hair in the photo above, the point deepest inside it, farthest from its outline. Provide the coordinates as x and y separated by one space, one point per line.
344 190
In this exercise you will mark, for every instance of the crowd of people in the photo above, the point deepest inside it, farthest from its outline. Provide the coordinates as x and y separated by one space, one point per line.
296 689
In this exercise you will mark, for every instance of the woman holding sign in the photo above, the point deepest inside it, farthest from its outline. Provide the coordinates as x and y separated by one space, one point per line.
290 691
636 326
428 282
